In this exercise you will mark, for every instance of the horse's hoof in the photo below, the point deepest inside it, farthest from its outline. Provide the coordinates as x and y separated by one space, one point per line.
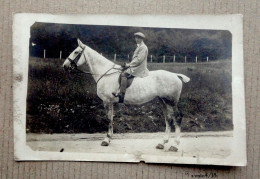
173 149
104 143
159 146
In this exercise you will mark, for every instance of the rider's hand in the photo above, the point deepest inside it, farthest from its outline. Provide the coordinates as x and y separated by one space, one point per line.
125 65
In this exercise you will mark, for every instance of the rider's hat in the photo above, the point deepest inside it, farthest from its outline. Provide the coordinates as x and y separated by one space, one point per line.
140 34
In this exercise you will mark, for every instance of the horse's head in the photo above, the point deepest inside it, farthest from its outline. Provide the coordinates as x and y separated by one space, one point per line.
76 58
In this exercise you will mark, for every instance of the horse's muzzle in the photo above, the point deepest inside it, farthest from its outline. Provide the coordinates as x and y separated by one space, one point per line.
69 68
65 68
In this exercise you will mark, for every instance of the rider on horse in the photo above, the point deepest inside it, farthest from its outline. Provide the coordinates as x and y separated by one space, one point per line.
136 68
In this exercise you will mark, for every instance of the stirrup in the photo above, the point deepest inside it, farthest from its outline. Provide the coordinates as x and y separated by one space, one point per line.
115 94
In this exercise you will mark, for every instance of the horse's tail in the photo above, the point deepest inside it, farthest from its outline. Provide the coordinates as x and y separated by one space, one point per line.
184 78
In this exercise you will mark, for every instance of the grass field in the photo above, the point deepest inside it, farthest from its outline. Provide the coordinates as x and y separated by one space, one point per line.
59 102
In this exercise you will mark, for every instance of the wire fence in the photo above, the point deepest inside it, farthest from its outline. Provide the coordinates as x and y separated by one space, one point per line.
160 59
176 58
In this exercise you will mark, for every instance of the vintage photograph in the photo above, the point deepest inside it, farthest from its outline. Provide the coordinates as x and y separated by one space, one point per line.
130 90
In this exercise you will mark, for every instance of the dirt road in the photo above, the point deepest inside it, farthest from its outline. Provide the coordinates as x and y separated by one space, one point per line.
206 144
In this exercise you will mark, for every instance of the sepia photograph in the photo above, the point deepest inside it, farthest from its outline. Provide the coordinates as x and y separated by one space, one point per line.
158 89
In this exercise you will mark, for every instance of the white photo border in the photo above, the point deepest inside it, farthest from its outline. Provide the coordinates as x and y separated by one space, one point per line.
21 34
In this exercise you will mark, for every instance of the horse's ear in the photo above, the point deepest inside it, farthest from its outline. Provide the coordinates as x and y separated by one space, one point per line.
80 43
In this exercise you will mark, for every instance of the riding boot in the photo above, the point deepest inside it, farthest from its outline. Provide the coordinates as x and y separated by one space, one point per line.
121 94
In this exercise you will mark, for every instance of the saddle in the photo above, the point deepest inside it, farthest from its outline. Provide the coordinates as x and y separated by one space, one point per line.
130 80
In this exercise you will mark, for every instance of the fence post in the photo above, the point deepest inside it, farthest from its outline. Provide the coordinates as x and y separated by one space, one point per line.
115 57
44 53
207 59
151 58
60 55
196 59
185 59
174 58
164 59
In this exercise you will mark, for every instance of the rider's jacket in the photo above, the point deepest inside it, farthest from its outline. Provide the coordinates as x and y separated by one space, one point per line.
138 65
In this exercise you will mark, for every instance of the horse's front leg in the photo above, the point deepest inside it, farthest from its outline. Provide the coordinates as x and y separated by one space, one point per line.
110 113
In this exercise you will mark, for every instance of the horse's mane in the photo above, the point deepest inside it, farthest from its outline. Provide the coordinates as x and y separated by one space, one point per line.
96 56
103 62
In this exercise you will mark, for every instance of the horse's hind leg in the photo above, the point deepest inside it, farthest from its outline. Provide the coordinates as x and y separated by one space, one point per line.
110 113
176 117
177 124
167 112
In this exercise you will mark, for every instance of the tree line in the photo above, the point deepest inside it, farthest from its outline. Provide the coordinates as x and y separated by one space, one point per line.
216 44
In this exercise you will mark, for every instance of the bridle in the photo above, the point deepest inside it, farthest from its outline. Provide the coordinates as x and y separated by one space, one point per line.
73 65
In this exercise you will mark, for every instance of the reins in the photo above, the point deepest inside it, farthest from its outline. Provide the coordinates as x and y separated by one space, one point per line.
106 72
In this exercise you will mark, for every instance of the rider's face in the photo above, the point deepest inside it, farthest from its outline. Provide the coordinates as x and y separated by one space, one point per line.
138 40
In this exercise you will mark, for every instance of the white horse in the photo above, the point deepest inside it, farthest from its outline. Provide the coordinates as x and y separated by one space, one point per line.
163 84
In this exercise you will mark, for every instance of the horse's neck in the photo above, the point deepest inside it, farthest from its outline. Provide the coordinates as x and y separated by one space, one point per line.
97 63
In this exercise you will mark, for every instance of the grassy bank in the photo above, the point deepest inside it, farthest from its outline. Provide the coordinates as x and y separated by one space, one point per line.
61 102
